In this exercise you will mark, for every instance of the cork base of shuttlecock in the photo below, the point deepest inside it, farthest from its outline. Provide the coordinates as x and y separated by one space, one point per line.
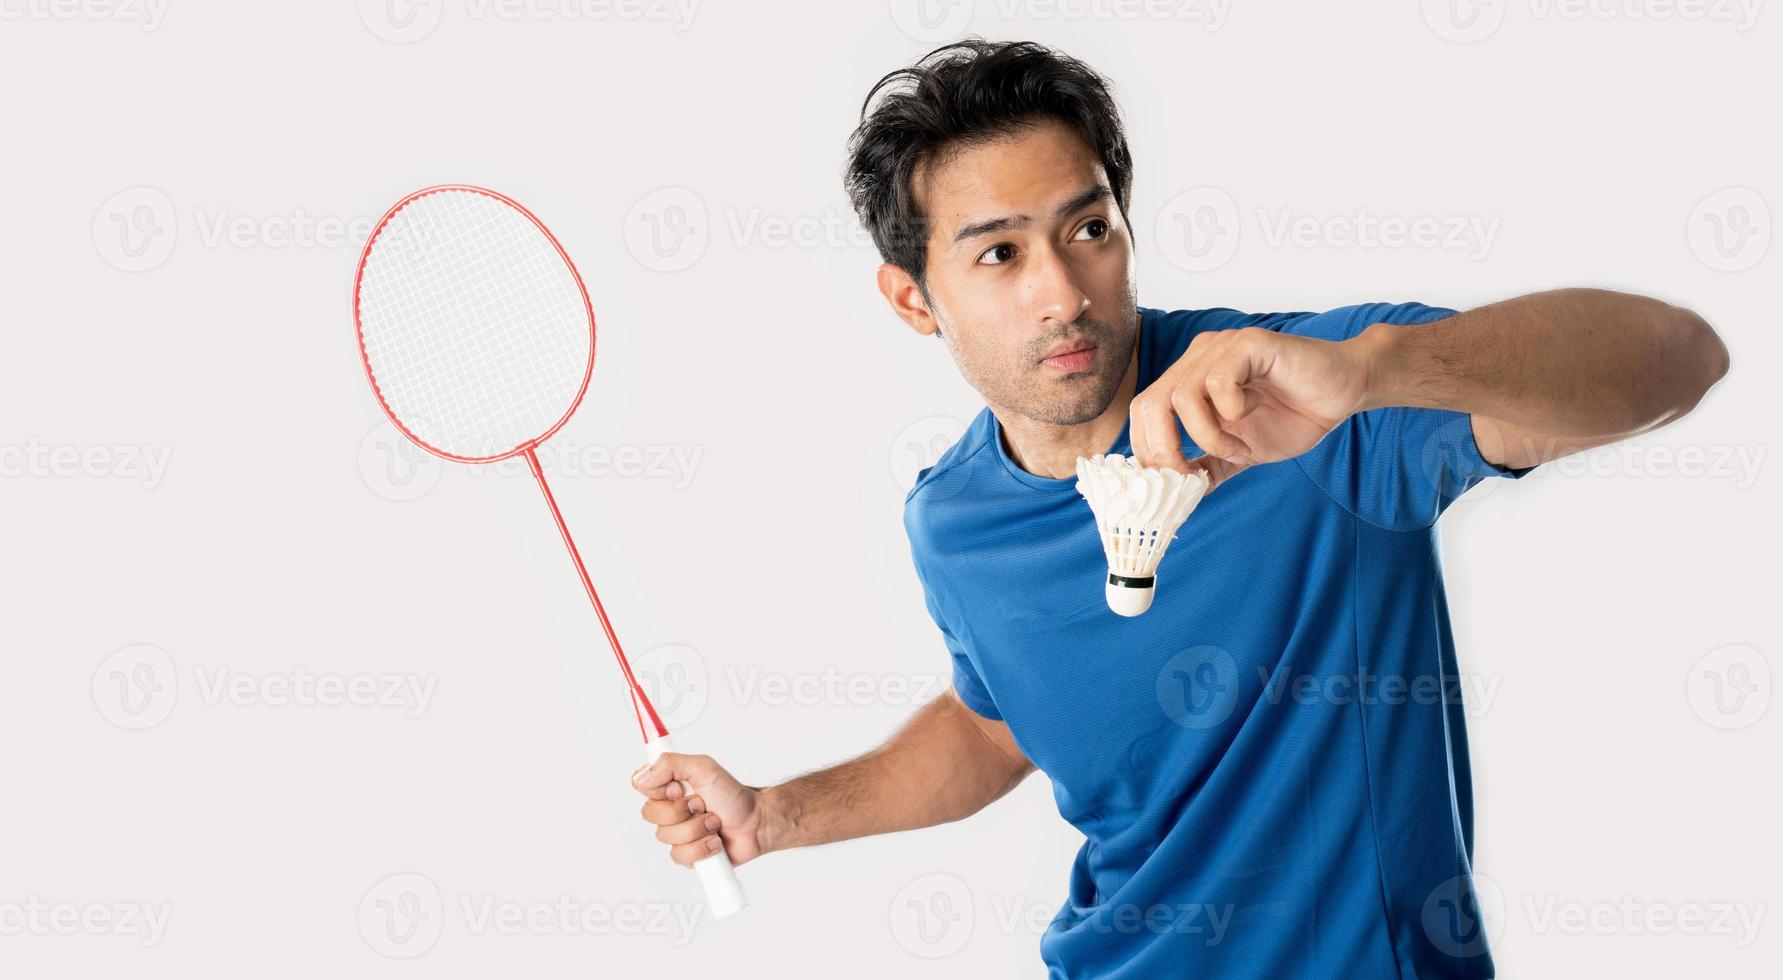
1130 596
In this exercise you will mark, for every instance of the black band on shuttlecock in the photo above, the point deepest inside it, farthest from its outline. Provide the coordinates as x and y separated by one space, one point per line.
1132 583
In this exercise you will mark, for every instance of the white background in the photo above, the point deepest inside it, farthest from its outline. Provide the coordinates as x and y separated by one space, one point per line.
188 187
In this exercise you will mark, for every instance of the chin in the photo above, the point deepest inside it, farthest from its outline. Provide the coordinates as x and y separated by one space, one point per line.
1068 409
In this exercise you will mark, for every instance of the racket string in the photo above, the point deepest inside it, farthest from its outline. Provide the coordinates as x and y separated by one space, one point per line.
478 334
478 340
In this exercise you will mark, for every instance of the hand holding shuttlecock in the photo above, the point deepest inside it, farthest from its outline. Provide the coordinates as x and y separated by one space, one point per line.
1138 509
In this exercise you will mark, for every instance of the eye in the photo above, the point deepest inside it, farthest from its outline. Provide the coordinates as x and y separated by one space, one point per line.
997 254
1093 229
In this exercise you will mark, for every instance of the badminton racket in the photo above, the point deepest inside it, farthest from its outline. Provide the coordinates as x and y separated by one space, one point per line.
478 339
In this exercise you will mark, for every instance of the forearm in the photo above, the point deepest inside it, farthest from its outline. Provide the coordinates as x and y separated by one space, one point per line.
1575 363
939 767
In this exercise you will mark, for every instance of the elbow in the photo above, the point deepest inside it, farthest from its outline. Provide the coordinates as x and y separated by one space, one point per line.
1701 357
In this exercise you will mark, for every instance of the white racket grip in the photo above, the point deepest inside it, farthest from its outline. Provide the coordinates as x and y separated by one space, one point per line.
724 893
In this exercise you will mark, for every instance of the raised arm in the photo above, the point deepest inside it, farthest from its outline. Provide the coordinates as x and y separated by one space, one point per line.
1542 376
945 763
1550 373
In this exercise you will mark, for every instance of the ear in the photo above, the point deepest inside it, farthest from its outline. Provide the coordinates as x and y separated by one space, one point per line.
906 299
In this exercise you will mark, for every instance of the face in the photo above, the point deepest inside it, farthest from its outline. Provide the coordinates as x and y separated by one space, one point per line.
1029 274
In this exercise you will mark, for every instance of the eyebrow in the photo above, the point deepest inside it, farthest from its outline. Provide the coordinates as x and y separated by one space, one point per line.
1098 193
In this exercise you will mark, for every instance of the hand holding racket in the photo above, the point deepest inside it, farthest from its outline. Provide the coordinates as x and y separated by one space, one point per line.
478 339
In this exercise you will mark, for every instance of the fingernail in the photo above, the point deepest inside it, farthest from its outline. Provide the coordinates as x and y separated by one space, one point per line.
638 773
712 844
711 823
696 805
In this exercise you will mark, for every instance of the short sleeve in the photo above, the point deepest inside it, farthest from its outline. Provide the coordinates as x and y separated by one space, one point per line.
1396 468
966 680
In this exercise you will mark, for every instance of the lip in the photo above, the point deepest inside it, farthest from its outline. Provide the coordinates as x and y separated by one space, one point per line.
1070 356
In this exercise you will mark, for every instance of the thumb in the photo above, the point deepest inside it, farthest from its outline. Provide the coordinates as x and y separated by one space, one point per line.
678 767
1218 470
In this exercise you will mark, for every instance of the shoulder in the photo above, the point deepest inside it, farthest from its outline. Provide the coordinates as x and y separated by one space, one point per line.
924 505
1170 331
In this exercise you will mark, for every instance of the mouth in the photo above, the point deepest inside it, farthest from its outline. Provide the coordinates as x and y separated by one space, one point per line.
1070 357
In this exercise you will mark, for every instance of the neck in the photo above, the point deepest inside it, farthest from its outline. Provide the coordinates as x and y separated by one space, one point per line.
1051 451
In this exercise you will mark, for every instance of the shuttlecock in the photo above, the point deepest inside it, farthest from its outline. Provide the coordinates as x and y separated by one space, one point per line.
1138 509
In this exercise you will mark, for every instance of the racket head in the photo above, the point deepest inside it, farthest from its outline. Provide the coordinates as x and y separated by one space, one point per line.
473 325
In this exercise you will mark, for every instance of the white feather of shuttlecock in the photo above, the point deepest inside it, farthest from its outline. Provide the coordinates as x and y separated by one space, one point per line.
1138 509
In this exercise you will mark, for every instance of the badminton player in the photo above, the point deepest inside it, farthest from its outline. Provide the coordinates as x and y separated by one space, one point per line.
1270 767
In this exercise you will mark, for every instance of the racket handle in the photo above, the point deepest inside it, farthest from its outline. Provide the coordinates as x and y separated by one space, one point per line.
724 893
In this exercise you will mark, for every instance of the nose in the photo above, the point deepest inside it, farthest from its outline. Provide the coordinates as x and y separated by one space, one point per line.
1053 290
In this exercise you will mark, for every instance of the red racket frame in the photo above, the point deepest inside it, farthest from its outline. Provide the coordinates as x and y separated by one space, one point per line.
641 705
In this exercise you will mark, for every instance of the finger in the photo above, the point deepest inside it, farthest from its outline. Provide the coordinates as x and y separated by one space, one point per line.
686 854
688 831
1151 422
1152 429
653 780
1230 398
1193 403
664 812
1195 409
662 778
1218 470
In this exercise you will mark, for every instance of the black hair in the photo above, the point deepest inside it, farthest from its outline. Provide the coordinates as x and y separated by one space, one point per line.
964 93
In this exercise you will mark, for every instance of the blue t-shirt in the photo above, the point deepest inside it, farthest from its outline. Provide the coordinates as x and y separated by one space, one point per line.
1270 766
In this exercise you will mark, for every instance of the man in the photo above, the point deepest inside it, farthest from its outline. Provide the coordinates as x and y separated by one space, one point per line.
1234 827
